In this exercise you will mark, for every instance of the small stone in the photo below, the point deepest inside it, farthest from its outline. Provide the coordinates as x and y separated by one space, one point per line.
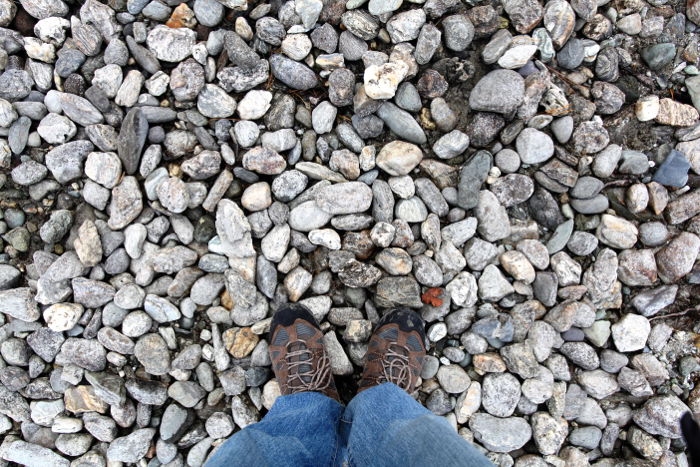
492 216
381 81
264 161
294 74
500 434
660 415
617 232
647 108
152 352
500 394
673 171
590 137
500 91
630 333
637 198
453 379
24 453
458 31
549 432
559 19
19 303
676 259
104 168
683 207
533 146
344 198
131 448
399 158
254 104
62 316
525 15
516 57
171 44
676 114
658 56
126 204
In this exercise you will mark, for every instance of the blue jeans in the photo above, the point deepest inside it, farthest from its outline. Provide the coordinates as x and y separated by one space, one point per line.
381 426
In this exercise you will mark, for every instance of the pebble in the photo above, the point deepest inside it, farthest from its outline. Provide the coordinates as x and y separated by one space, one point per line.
171 44
675 113
516 57
630 333
500 434
458 31
294 74
500 91
658 55
647 108
401 123
534 146
399 158
617 232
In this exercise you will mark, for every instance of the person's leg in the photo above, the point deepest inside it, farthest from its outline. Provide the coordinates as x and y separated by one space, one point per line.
299 430
387 427
383 425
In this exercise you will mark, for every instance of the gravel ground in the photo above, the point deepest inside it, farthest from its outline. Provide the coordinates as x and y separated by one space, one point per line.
525 175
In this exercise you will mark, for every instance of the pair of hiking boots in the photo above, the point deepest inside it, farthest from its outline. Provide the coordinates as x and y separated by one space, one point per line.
300 362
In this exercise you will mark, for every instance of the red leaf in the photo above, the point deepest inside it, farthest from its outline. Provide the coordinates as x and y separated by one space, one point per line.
432 296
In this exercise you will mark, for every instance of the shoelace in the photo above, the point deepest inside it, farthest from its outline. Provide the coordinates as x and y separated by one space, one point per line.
396 368
311 379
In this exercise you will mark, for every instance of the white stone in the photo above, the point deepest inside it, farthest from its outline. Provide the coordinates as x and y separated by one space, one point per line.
128 93
38 50
157 84
517 56
104 168
52 30
325 237
171 44
108 78
63 316
257 197
381 81
7 114
631 332
647 108
463 289
296 46
399 158
56 129
254 105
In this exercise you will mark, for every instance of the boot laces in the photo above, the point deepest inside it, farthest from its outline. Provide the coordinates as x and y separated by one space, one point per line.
396 367
302 374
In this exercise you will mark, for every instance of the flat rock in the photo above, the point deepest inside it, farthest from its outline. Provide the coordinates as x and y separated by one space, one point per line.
500 434
500 91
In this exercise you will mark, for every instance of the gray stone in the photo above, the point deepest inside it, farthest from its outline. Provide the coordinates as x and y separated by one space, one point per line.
294 74
131 448
500 434
471 178
500 91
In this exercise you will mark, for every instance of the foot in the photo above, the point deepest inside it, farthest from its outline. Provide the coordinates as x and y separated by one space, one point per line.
299 359
396 351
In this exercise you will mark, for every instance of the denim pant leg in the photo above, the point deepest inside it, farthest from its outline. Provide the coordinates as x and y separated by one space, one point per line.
299 430
389 428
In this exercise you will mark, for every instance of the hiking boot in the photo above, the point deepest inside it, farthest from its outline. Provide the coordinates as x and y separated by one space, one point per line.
396 351
299 359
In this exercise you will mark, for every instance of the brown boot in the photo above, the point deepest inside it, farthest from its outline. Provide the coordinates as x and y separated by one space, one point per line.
299 359
396 351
